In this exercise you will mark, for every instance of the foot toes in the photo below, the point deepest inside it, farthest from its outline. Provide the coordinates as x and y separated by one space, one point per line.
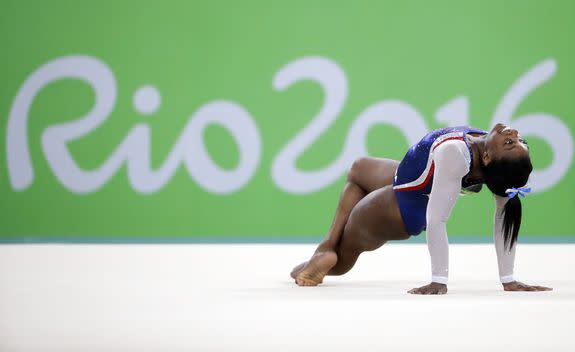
305 282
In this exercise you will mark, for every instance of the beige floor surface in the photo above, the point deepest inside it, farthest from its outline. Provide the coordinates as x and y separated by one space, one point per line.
84 298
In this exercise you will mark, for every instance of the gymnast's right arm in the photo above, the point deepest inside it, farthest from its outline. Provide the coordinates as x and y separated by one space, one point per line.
451 161
451 164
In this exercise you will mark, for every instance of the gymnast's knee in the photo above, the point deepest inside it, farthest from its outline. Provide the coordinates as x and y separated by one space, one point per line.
356 169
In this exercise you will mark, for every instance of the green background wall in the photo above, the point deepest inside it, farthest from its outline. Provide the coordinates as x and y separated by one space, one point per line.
221 58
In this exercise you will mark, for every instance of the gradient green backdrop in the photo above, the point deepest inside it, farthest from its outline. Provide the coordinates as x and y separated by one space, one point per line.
424 53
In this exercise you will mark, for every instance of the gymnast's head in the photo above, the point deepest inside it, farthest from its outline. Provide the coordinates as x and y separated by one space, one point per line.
506 164
504 142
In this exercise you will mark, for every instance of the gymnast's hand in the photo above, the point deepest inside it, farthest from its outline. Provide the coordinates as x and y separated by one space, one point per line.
433 288
519 286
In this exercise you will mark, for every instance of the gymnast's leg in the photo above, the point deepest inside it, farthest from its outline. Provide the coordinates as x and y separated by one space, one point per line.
366 175
374 220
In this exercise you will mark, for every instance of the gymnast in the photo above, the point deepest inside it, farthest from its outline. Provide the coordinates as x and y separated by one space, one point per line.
386 200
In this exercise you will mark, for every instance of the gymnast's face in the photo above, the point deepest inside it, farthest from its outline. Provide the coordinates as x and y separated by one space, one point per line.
504 142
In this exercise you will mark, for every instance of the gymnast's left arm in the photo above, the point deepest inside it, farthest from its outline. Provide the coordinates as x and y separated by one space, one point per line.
506 256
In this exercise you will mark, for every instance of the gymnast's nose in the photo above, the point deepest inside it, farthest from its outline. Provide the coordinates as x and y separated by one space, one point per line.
509 131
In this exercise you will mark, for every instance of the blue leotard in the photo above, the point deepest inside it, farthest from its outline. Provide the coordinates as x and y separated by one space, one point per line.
414 176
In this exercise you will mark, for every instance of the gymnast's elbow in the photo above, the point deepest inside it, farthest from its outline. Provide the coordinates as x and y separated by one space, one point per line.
436 227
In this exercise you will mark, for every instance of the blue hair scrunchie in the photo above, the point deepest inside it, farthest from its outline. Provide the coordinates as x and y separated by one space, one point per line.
522 191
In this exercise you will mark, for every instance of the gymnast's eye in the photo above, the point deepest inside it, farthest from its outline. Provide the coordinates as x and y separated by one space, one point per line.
523 141
508 141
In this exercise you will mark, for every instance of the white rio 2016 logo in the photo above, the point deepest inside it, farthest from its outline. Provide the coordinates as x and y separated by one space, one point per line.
190 149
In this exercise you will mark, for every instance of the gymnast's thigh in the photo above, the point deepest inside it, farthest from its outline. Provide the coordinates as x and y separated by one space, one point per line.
373 173
375 220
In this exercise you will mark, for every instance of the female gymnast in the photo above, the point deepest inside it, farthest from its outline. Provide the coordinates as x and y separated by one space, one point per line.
386 200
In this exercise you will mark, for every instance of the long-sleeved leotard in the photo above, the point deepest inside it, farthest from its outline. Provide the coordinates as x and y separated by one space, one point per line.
427 185
452 162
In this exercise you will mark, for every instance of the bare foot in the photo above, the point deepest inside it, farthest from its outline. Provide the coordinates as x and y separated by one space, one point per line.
312 272
297 270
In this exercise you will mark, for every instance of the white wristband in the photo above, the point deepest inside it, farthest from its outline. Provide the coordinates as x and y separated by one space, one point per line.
439 279
506 279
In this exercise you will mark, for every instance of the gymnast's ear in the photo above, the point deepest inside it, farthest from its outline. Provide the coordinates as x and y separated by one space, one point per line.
486 158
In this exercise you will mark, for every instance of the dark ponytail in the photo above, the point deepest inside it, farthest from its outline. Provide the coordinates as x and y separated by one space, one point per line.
511 221
500 175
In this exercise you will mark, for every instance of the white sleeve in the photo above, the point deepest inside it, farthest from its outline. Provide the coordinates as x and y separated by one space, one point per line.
451 160
505 258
